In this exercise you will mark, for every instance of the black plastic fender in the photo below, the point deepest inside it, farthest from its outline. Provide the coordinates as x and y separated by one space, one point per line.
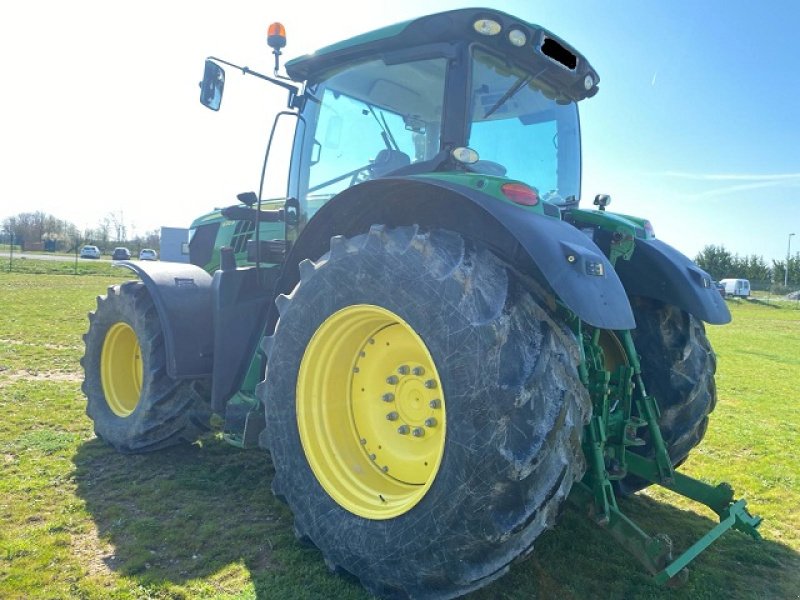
182 296
657 270
562 257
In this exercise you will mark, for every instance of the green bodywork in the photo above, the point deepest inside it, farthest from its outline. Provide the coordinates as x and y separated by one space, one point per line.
488 184
236 234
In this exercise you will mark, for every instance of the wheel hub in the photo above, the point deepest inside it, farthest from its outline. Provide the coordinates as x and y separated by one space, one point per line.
370 411
121 369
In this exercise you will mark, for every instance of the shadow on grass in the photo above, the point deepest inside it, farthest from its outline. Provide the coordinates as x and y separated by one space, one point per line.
579 560
763 302
195 516
189 516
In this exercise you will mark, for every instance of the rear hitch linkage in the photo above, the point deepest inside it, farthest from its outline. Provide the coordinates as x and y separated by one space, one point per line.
607 441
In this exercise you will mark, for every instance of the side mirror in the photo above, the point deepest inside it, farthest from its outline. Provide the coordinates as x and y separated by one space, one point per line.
212 85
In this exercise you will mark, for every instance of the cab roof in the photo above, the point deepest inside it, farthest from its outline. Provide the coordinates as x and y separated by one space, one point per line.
553 59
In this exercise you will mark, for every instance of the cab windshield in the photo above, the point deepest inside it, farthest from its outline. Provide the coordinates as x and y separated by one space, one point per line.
520 132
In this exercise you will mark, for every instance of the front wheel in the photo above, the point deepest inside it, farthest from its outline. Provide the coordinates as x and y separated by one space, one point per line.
423 410
134 404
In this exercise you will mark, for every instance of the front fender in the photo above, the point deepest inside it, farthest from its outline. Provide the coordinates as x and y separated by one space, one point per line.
182 295
657 270
562 257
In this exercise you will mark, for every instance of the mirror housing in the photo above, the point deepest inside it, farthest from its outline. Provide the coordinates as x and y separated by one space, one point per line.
212 86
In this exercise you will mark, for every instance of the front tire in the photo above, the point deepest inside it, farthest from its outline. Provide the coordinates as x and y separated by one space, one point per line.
134 404
373 331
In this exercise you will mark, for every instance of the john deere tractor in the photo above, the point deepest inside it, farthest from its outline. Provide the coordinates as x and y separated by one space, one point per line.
435 343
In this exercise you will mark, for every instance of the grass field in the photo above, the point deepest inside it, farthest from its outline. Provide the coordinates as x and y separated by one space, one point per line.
78 520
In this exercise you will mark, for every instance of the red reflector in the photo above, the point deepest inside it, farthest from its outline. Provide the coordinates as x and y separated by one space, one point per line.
520 193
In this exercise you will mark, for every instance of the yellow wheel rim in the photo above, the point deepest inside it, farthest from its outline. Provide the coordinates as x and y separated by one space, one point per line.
121 369
371 412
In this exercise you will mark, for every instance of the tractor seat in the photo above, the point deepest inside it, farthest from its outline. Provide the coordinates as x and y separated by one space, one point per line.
387 161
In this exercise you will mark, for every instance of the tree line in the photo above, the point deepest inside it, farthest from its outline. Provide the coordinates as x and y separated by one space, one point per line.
42 231
33 230
721 264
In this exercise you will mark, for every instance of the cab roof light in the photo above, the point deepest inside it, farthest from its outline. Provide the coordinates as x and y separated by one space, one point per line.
276 36
487 27
517 37
520 193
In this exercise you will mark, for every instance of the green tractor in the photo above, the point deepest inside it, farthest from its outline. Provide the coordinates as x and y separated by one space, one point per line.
435 343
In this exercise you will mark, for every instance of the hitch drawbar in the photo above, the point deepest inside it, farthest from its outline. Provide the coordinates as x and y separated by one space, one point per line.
655 553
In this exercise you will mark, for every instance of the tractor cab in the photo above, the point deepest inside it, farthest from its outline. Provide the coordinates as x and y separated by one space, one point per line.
467 92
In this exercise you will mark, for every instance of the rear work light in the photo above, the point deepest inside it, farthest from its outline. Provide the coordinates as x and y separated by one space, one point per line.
520 194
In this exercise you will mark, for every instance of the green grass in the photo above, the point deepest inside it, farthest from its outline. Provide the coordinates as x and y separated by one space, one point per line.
32 266
78 520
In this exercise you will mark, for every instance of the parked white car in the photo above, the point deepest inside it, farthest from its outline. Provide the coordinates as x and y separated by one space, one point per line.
90 252
738 288
148 254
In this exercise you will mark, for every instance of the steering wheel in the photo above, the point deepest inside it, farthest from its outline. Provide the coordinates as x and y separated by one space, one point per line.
362 174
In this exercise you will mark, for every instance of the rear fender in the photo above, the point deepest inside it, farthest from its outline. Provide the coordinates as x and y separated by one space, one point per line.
182 296
657 270
559 256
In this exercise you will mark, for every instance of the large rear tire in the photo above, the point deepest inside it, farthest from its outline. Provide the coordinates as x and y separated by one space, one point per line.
134 404
678 366
424 412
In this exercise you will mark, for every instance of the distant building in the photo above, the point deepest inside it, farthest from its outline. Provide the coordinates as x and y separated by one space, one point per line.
174 242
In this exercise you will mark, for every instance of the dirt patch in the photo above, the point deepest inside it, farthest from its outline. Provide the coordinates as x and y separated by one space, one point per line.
47 346
96 554
26 375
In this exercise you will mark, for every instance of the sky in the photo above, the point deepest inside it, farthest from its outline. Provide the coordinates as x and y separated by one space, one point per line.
695 126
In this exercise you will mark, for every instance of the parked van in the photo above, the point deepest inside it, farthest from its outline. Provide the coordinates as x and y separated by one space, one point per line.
738 288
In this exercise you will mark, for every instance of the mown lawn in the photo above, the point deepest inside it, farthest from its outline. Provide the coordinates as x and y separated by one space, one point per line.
78 520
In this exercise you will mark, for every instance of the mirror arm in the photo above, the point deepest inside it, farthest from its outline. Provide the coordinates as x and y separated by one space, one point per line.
248 71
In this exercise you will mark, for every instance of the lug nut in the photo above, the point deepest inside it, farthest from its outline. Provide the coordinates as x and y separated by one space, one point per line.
363 441
435 403
385 469
403 369
403 430
355 369
430 422
388 397
418 371
430 384
392 416
372 457
392 380
418 432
